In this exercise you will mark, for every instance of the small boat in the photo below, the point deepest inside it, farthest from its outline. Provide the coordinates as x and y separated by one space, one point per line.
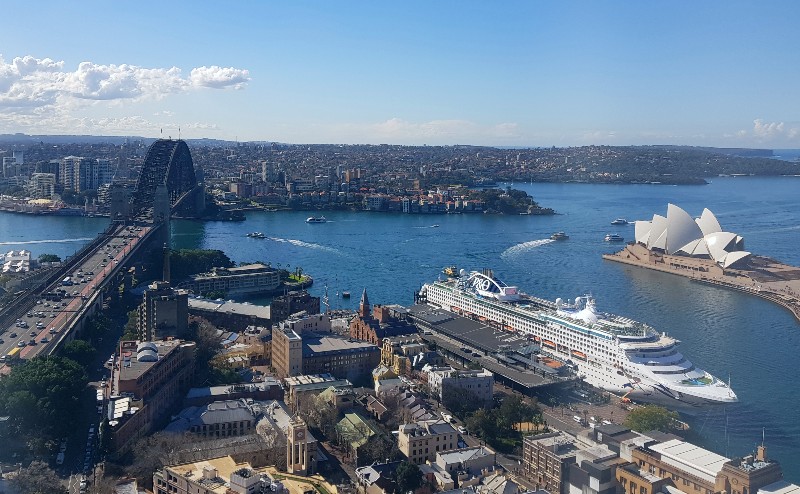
256 235
434 226
613 237
345 294
620 221
315 219
559 236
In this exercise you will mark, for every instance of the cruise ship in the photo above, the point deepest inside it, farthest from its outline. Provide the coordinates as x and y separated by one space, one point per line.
607 351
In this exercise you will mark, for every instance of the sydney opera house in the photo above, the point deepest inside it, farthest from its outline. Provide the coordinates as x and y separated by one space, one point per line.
679 235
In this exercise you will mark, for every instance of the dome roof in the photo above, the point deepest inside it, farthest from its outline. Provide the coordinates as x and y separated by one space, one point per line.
147 355
146 345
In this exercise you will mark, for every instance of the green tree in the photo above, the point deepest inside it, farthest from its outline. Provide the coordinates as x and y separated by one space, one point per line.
49 258
80 351
42 396
512 411
130 332
483 424
186 262
650 418
408 477
38 478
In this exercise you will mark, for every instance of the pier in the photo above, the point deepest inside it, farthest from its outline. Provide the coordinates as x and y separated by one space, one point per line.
763 277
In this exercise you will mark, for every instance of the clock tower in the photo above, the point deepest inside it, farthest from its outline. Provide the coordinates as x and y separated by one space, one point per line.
297 447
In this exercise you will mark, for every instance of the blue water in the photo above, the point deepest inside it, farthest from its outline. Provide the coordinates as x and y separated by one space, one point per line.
726 333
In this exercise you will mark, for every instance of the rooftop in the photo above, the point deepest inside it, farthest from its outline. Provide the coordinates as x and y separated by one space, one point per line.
223 467
232 388
133 363
463 455
230 307
314 381
691 459
316 344
427 427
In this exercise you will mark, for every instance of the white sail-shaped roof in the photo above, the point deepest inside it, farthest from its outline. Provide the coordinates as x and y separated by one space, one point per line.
658 233
681 229
642 231
679 233
695 248
719 244
732 257
708 222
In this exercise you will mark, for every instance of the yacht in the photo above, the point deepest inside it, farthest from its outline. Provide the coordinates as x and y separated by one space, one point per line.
256 235
620 221
613 237
608 351
316 219
559 236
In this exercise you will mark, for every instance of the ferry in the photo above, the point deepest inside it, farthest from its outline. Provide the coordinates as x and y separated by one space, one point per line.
608 351
559 236
613 237
316 219
620 221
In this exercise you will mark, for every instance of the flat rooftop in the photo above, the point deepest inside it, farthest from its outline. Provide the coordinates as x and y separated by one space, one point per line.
131 368
314 344
224 467
477 334
230 307
222 391
453 332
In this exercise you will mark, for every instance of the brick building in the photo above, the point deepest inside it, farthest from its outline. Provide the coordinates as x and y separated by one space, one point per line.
375 324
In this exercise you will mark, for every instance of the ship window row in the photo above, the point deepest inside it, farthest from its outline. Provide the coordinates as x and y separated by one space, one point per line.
658 364
679 371
653 350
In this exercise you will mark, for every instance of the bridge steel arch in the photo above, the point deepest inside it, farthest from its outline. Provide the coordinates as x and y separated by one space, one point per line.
167 162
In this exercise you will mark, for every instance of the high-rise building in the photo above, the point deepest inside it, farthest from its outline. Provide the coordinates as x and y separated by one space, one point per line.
164 312
42 185
81 174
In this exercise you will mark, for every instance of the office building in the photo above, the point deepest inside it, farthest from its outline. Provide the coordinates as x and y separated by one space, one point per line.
149 379
421 441
163 312
242 280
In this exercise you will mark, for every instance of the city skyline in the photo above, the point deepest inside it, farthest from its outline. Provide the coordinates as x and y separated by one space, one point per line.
508 74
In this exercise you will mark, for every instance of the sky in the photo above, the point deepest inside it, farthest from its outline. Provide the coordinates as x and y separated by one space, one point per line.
501 73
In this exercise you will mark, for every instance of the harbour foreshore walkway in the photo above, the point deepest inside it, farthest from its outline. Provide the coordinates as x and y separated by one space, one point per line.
763 277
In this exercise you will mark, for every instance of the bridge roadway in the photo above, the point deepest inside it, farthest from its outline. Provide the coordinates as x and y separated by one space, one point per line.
48 323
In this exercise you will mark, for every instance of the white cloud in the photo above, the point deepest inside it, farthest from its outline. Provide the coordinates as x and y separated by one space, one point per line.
219 77
27 83
767 129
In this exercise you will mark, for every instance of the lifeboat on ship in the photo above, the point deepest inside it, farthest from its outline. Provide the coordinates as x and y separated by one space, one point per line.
580 355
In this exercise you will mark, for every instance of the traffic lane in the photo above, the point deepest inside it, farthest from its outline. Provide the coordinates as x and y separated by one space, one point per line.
93 264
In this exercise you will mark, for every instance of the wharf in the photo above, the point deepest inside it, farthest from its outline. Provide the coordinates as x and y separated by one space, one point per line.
763 277
468 341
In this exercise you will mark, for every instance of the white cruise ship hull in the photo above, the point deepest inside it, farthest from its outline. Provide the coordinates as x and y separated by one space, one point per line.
609 352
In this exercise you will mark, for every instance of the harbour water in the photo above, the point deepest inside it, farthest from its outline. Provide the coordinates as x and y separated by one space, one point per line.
732 335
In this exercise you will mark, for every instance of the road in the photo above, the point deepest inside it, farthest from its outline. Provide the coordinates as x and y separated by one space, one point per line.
45 320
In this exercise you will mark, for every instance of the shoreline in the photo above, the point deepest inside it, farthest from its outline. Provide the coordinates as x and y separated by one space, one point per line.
773 281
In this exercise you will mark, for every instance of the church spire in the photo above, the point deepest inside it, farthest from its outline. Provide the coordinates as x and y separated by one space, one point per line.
364 309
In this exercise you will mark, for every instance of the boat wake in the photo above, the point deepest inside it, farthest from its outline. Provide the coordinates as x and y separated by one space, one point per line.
524 247
307 245
49 241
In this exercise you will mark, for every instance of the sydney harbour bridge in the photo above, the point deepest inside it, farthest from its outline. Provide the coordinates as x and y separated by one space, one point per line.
167 185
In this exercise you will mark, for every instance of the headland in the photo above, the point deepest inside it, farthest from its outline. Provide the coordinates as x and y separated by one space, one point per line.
760 276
